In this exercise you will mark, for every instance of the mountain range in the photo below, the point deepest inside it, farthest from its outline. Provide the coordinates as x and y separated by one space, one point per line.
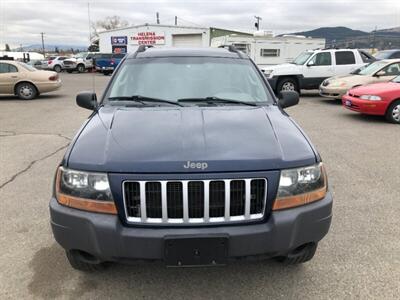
52 47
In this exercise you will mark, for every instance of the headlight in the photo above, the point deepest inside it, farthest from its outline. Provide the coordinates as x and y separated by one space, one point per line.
301 186
84 190
370 97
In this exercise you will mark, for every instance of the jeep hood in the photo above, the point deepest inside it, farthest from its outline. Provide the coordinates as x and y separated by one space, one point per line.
163 140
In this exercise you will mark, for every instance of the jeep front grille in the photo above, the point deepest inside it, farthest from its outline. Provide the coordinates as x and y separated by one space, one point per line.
194 201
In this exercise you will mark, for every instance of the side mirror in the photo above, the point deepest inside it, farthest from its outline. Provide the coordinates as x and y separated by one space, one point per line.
310 63
87 100
288 98
380 73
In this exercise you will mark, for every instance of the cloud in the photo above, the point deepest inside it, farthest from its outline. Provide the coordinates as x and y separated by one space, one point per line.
66 21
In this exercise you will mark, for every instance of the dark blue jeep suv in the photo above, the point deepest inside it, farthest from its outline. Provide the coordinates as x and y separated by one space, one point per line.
189 158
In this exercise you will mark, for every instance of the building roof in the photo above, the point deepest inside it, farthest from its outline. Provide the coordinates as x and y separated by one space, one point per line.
154 25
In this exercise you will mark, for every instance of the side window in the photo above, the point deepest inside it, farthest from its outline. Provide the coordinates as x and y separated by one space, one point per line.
322 59
392 70
345 58
364 56
270 52
7 68
396 55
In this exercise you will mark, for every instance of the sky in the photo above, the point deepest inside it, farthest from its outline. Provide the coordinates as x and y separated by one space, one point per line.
66 21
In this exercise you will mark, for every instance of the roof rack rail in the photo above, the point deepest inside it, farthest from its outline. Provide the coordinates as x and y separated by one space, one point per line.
232 48
142 48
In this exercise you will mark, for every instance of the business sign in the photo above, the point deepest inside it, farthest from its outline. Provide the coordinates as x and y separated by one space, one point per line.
148 38
119 49
119 40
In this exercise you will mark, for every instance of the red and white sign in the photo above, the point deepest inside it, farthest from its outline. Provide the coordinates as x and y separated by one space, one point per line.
148 38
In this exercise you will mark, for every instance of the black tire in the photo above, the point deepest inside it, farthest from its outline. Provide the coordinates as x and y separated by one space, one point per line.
81 68
78 261
393 112
57 68
69 71
300 255
26 91
287 84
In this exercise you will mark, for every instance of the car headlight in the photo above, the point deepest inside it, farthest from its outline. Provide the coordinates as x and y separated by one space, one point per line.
301 186
370 97
267 73
84 190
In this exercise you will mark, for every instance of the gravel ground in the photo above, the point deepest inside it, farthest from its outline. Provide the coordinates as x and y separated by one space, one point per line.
359 258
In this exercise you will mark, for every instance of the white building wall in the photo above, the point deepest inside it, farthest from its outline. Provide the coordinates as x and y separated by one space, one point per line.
167 30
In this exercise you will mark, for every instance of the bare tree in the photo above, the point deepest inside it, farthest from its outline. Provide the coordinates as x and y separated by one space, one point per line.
111 23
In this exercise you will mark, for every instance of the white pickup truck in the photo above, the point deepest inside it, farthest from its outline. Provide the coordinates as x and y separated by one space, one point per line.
312 67
80 62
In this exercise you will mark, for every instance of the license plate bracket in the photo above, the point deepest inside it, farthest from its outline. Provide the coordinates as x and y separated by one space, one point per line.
195 251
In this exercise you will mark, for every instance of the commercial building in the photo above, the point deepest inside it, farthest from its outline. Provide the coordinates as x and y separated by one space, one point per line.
127 39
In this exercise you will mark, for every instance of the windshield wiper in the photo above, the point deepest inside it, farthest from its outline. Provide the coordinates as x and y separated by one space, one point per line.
212 100
142 99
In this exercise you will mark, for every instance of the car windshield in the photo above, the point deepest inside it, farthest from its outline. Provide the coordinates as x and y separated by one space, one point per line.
396 79
302 58
383 54
27 67
195 78
81 55
372 68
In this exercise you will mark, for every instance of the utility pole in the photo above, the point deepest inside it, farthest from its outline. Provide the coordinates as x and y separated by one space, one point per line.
176 20
42 34
257 24
158 17
90 31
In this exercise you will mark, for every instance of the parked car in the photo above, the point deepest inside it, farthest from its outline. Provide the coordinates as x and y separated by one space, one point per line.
388 54
189 158
106 63
54 63
310 68
36 63
80 63
382 99
379 71
25 81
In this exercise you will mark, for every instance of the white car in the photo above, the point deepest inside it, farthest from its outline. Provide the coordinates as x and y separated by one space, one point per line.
312 67
54 63
81 62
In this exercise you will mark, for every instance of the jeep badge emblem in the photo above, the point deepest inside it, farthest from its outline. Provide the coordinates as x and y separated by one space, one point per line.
194 165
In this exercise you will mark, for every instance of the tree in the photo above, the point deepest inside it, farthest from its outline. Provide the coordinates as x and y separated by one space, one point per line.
56 50
113 22
8 47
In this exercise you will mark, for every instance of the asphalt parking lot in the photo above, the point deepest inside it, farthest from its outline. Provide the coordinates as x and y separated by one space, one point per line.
360 257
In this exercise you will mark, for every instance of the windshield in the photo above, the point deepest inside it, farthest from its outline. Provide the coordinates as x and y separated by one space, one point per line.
302 58
174 78
27 67
81 55
372 68
396 79
383 54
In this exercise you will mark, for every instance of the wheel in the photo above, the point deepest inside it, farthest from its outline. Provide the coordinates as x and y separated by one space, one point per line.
69 71
81 68
393 112
84 262
300 255
106 73
26 91
57 68
287 84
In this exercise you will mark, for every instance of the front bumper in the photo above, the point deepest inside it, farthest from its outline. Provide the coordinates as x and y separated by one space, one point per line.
365 106
105 237
330 92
